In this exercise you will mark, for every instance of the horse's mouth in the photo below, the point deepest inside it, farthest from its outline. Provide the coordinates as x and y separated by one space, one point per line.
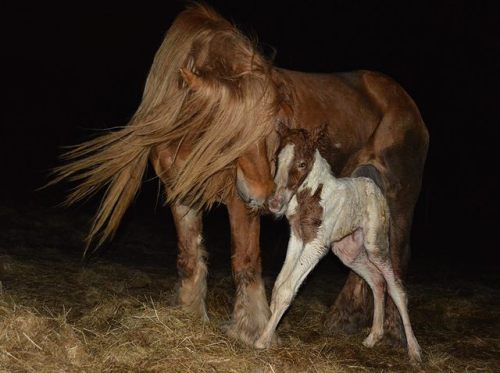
252 203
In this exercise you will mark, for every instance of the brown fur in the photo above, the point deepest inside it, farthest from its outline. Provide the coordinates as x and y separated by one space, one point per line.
306 221
304 146
251 310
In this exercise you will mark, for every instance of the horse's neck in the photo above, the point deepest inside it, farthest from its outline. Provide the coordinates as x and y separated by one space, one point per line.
320 173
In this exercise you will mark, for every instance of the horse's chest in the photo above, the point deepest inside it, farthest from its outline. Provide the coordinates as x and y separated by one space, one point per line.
307 217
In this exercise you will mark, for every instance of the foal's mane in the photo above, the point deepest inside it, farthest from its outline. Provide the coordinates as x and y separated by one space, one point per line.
232 109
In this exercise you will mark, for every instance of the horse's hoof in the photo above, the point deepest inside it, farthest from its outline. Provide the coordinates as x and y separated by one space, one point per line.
394 335
342 322
238 332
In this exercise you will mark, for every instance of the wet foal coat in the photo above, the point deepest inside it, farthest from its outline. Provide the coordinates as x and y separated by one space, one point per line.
348 215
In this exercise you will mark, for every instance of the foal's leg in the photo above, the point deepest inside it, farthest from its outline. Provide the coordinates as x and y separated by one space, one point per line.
363 267
293 252
351 252
190 260
284 294
398 295
251 310
379 256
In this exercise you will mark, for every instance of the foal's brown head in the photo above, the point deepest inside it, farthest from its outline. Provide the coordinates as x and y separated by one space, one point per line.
295 159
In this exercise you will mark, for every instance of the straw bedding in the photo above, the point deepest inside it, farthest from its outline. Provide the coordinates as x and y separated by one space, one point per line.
116 313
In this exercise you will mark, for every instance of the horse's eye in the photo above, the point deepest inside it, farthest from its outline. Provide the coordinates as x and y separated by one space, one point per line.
301 165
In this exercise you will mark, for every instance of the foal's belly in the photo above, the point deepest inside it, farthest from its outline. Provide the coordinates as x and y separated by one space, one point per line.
349 247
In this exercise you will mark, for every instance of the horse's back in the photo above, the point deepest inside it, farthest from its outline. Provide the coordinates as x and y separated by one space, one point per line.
360 93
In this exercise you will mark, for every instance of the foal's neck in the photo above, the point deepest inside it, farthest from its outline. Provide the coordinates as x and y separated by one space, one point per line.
319 174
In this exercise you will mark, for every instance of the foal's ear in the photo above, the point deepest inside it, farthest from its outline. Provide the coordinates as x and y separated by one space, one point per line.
318 133
282 128
192 80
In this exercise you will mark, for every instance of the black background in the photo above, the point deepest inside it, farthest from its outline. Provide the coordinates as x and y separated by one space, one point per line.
69 69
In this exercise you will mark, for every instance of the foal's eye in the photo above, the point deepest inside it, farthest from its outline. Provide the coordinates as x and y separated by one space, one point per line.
301 165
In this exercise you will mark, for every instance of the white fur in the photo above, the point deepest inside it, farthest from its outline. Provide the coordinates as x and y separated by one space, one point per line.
285 159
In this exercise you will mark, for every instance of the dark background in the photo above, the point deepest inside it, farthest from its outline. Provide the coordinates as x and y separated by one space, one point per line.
67 70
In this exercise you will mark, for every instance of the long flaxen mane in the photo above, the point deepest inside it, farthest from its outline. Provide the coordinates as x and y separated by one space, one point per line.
231 110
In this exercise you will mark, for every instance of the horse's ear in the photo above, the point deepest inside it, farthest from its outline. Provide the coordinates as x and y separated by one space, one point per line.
318 133
192 80
282 128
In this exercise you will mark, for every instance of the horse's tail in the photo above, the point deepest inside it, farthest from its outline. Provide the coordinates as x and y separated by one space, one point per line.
116 160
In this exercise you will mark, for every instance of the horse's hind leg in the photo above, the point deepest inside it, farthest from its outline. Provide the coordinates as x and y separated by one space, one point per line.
190 260
251 310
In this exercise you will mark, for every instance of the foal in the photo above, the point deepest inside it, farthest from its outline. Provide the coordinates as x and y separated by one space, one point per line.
348 215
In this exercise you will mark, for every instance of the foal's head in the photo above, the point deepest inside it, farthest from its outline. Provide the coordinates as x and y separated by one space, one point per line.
295 161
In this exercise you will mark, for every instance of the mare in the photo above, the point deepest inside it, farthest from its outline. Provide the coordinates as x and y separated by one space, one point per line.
207 123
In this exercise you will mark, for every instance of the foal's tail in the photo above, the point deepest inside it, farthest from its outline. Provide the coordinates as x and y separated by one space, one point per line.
116 160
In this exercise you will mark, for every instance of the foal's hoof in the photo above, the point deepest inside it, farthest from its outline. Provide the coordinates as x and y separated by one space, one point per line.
415 356
262 343
371 340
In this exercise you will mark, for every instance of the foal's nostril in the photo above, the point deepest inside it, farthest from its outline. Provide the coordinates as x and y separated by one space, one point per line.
275 202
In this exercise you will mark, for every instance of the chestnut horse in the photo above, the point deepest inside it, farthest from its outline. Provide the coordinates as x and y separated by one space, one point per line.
206 123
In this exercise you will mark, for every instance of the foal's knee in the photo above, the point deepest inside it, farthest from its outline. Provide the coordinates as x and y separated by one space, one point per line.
282 297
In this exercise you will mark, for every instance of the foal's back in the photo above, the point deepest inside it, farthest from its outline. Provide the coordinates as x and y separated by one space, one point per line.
351 204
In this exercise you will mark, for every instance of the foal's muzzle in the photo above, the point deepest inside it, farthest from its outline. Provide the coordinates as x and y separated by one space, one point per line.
275 203
278 202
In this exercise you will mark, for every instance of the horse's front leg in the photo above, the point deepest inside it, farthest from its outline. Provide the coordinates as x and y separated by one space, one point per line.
251 310
191 259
